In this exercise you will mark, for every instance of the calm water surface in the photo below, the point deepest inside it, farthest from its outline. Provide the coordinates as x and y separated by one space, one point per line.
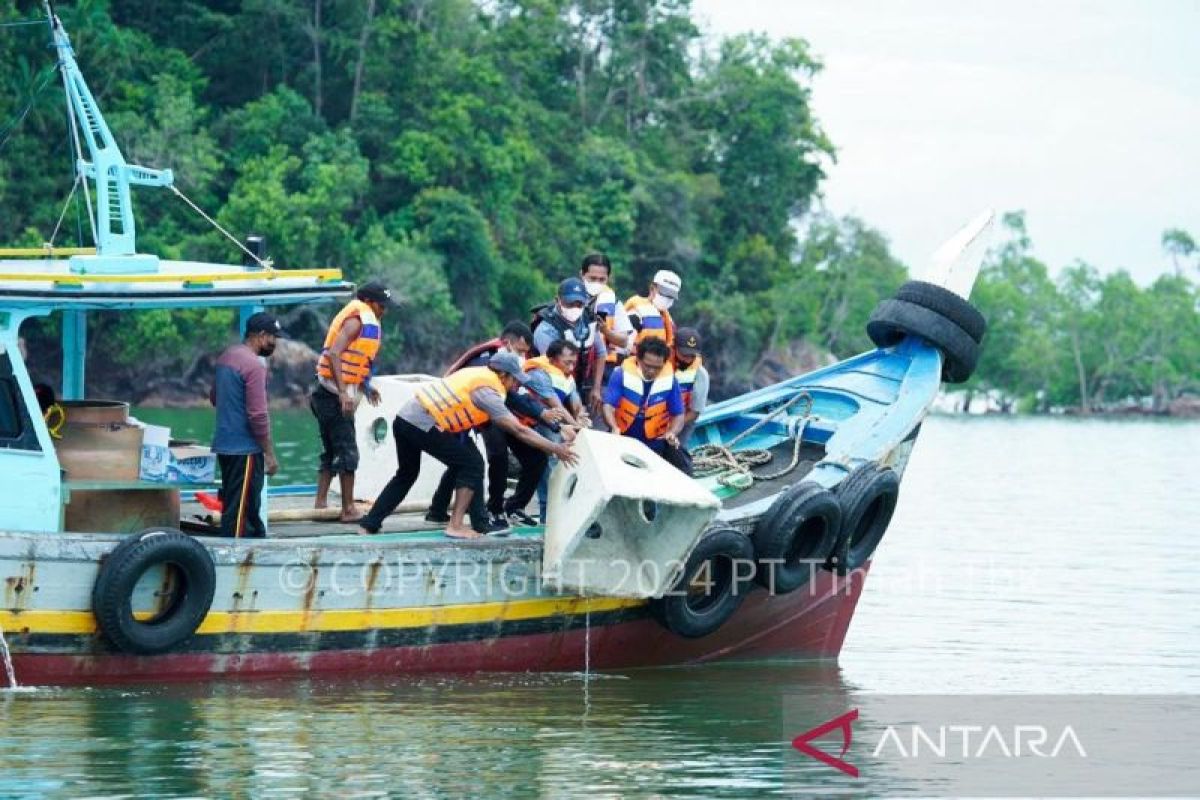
1027 555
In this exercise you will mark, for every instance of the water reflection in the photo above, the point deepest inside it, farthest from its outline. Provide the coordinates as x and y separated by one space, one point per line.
1026 556
712 732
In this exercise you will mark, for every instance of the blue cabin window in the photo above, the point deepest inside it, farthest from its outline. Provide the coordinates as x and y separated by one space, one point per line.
16 429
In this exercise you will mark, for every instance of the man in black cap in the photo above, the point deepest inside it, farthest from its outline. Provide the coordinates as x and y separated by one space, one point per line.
693 380
242 439
343 379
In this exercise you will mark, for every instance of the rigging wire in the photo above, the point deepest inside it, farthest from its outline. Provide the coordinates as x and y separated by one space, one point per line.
63 214
7 129
265 263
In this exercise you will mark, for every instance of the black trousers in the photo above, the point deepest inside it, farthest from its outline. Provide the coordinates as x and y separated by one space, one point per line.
339 450
440 503
448 448
241 495
533 464
495 442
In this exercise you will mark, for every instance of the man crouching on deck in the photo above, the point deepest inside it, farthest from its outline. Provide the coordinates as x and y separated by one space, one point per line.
430 423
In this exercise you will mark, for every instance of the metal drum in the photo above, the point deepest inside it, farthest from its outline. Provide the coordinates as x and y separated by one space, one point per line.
98 441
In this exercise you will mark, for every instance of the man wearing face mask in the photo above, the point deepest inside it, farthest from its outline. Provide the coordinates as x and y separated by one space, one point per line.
650 315
242 438
571 317
596 272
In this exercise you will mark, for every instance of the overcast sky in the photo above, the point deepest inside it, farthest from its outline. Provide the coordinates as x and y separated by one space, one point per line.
1086 114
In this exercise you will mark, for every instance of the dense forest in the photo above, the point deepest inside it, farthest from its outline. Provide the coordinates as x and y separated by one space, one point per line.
471 152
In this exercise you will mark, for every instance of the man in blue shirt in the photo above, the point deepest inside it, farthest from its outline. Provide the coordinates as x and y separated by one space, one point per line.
643 400
242 438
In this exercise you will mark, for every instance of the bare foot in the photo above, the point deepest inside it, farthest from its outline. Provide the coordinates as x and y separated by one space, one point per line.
350 515
462 533
321 504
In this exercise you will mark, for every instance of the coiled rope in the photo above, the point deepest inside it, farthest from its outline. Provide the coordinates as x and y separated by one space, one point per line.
736 468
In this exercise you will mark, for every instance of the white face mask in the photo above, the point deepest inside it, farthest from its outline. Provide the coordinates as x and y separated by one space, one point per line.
663 303
594 287
571 314
504 348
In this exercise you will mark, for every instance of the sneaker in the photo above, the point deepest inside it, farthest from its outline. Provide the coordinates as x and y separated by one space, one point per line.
519 519
437 517
497 523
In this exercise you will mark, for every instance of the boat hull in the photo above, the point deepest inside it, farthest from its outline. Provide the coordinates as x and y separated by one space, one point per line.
810 623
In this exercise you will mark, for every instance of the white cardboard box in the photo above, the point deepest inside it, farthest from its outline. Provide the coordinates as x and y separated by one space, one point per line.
156 452
191 464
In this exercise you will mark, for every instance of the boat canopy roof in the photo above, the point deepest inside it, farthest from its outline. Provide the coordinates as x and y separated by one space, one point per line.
43 285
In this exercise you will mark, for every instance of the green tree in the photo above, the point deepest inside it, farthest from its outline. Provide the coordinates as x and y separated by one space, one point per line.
1180 245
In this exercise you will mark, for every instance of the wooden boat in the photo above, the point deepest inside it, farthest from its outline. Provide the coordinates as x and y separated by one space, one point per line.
776 574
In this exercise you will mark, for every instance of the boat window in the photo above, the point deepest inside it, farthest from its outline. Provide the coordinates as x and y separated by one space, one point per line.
16 431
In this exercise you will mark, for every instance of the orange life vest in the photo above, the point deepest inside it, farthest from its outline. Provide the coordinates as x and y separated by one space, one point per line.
651 405
606 305
687 381
448 400
357 357
564 385
655 324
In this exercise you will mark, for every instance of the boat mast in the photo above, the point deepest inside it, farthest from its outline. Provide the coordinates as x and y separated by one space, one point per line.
115 231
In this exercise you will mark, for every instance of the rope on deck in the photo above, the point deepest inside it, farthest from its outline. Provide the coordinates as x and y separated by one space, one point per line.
736 468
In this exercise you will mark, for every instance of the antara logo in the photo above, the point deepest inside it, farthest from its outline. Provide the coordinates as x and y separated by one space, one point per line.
989 741
964 741
802 742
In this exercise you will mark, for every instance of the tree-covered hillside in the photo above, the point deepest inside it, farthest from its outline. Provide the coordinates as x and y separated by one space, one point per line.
470 153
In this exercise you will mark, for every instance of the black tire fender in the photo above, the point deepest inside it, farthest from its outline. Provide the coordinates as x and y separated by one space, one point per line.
711 587
795 536
195 577
868 498
946 303
893 319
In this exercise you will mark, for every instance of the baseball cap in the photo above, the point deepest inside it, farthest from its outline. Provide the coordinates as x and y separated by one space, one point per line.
509 364
668 283
539 383
377 292
687 341
262 322
572 290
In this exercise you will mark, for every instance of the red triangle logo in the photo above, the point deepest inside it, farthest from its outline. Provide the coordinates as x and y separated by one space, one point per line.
802 742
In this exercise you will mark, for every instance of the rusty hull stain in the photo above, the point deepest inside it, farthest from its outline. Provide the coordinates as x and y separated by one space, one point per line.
18 588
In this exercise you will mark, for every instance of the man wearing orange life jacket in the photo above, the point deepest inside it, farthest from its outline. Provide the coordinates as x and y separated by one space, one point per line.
650 315
431 423
693 380
343 379
488 516
557 367
643 401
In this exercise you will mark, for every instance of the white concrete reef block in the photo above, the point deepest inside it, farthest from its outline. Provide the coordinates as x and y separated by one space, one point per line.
622 522
377 446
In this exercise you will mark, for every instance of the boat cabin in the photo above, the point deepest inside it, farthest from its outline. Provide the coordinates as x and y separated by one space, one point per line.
62 479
